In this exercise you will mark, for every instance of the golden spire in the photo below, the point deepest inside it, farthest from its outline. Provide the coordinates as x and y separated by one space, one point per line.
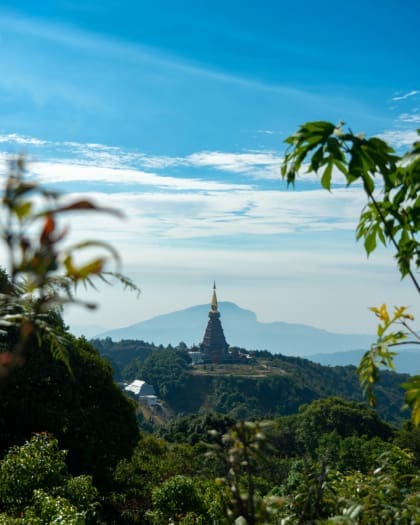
214 299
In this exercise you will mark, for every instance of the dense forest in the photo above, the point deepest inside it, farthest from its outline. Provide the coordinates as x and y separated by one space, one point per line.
72 451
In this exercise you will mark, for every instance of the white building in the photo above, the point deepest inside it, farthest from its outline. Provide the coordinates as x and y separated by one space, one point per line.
143 391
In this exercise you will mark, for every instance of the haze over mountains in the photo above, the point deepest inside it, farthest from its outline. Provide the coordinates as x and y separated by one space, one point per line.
407 361
241 329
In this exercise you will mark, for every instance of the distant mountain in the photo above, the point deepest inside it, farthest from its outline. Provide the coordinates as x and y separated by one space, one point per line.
407 361
241 329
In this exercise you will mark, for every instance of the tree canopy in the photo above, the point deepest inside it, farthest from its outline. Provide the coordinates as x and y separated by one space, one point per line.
86 411
390 181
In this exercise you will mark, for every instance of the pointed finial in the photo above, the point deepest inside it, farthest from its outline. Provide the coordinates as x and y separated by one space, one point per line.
214 299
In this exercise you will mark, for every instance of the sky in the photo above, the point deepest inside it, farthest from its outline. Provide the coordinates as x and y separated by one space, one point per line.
176 114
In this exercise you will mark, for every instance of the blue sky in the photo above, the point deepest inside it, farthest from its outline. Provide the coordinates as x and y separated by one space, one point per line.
176 113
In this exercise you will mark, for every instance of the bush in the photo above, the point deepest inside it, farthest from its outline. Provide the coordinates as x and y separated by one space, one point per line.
35 484
38 464
178 500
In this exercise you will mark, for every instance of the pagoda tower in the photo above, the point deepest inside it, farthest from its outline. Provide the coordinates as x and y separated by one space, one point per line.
214 345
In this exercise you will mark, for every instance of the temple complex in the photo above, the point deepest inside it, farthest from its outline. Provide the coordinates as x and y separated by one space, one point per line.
214 346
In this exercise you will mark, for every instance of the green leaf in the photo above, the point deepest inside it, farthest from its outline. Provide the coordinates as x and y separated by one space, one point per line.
370 242
381 236
313 140
326 176
341 166
23 210
368 184
412 398
316 159
327 128
333 148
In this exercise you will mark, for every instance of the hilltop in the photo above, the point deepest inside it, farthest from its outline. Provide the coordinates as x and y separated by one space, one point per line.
266 385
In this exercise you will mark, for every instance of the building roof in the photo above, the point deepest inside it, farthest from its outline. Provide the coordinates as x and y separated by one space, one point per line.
140 388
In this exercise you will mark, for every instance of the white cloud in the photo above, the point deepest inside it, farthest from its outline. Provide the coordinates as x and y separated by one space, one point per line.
400 138
410 117
407 95
14 138
53 172
169 207
113 156
237 162
259 164
264 164
76 160
169 216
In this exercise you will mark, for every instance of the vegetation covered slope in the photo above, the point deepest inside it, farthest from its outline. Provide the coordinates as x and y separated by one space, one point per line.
266 385
84 409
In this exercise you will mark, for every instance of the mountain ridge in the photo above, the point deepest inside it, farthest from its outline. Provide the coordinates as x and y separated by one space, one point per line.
406 361
242 329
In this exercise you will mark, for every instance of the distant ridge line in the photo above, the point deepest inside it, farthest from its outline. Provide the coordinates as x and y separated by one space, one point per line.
242 329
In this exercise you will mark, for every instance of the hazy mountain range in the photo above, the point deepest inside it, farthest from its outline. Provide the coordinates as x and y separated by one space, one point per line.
241 329
407 361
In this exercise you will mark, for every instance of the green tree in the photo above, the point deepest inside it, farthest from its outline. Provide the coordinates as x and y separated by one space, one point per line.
391 183
391 216
345 418
38 464
34 481
166 369
243 452
65 387
177 500
152 463
86 411
385 495
196 428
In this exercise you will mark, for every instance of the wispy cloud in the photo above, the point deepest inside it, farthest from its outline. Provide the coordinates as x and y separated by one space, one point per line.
227 213
410 117
160 205
266 131
136 53
66 172
257 164
14 138
407 95
400 138
250 162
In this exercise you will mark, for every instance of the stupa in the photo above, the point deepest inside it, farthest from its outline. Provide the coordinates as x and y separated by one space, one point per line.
214 346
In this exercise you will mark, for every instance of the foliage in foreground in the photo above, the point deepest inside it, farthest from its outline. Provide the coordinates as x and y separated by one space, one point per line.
35 486
334 462
86 411
43 271
391 216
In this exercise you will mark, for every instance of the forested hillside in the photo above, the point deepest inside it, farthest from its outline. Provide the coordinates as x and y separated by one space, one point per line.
88 463
265 386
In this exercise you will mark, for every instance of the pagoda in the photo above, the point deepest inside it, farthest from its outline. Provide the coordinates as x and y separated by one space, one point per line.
214 346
